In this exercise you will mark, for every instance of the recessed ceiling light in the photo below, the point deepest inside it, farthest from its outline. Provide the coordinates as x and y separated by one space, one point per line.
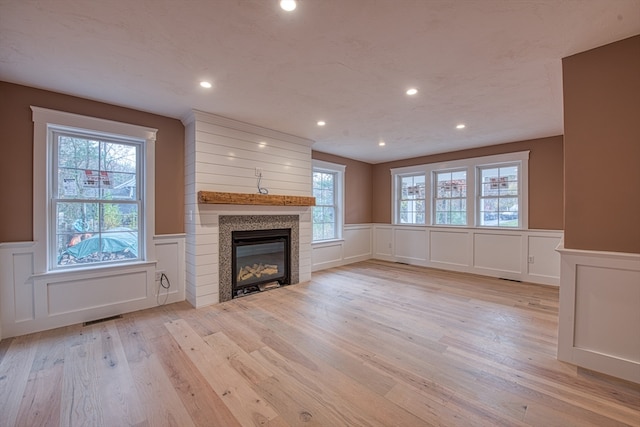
461 126
382 143
206 85
288 5
412 91
321 123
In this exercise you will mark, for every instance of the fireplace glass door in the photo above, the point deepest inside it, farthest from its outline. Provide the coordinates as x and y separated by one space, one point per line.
260 257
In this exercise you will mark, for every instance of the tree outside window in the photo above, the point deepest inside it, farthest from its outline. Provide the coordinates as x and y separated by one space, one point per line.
324 212
411 207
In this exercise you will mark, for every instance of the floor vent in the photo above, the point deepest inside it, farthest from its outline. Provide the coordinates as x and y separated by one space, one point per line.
93 322
511 280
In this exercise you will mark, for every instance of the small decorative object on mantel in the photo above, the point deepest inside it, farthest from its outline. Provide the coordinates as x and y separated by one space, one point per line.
214 197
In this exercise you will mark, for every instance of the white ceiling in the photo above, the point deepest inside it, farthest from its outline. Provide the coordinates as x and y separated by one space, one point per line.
493 65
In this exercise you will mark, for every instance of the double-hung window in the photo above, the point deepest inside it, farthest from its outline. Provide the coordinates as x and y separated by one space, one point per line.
499 195
450 197
327 214
96 201
411 199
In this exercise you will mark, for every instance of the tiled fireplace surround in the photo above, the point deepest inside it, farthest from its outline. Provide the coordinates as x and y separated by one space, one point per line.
230 223
221 155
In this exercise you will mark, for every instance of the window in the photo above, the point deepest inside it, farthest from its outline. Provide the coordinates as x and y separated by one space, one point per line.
328 190
93 191
499 195
95 199
490 191
412 190
450 198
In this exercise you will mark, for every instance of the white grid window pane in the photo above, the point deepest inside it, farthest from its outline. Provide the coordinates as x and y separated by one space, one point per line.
450 206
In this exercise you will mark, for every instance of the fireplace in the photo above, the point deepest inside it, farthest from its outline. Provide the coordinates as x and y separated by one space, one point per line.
256 228
260 259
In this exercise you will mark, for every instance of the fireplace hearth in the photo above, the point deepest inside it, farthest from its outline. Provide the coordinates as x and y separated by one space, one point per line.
260 260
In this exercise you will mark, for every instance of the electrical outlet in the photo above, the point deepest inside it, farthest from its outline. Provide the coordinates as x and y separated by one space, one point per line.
531 260
159 275
258 172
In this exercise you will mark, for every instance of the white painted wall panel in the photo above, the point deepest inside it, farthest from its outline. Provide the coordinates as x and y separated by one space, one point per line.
607 307
357 242
545 261
449 247
23 287
598 314
79 295
383 242
410 244
327 254
498 252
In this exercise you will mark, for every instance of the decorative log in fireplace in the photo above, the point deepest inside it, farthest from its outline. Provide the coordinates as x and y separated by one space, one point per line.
261 259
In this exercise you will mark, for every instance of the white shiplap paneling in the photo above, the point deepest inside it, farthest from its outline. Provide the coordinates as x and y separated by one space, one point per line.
223 155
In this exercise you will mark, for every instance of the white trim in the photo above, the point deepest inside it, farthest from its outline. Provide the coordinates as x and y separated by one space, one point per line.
339 170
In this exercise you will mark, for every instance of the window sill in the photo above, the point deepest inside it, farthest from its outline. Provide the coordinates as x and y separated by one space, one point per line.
329 242
115 268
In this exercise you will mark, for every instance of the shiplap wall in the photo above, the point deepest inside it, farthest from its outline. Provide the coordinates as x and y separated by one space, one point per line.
222 155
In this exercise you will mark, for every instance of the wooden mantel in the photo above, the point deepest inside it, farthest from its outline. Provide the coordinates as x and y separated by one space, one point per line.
214 197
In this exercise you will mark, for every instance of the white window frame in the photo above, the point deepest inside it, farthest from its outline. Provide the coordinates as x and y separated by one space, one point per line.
45 123
434 196
338 171
472 165
397 196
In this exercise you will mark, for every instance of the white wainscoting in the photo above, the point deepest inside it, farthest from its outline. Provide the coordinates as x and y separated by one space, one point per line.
356 245
599 320
34 302
526 255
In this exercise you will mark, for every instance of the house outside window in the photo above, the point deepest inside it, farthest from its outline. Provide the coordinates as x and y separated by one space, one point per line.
450 198
328 189
411 202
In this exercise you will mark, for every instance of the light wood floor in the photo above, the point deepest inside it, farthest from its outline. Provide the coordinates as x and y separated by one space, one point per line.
371 344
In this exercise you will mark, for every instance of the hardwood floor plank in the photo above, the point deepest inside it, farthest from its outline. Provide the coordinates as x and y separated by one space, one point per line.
43 408
249 408
346 394
237 358
14 374
160 401
204 406
80 403
116 384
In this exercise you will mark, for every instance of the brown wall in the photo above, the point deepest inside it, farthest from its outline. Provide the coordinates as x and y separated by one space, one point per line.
358 189
602 148
16 157
545 179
